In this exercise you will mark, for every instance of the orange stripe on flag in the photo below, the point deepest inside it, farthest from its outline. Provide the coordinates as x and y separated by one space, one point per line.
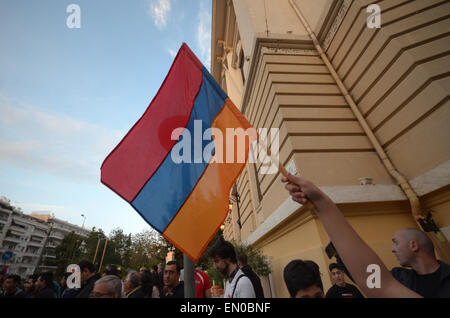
206 208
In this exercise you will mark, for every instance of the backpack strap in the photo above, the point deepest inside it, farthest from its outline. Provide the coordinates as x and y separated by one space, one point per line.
235 285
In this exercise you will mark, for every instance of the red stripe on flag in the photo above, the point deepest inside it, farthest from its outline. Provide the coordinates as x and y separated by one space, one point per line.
140 153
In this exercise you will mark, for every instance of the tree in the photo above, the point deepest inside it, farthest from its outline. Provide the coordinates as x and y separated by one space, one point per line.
91 246
150 248
256 259
69 251
206 263
127 254
115 248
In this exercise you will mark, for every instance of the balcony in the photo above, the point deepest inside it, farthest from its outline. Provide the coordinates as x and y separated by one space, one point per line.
5 211
8 247
13 239
20 221
63 228
40 227
39 233
48 266
18 229
36 243
28 264
38 236
31 253
56 236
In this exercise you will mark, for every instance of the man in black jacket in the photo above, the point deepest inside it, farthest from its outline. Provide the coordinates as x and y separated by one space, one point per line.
88 278
11 288
248 271
428 276
44 286
173 287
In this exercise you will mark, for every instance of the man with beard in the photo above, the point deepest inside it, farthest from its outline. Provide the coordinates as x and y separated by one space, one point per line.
45 287
30 286
88 278
238 285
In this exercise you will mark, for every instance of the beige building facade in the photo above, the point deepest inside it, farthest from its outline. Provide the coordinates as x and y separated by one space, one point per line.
377 112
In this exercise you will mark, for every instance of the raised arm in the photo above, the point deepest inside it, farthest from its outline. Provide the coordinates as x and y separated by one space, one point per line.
355 253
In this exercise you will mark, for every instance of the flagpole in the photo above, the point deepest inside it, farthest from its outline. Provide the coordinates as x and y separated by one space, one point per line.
103 255
282 169
96 250
189 277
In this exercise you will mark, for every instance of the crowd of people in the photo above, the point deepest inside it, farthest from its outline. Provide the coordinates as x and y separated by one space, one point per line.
426 277
162 281
143 284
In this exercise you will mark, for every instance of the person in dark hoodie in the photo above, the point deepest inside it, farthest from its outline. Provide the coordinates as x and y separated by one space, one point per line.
30 286
45 286
248 271
88 278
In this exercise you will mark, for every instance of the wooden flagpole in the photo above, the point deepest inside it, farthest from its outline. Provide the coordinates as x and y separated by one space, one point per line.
282 169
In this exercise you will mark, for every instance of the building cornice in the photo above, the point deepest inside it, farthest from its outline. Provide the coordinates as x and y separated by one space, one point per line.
334 22
339 195
264 45
432 180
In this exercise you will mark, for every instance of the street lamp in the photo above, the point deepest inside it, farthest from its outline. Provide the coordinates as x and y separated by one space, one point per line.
84 219
170 256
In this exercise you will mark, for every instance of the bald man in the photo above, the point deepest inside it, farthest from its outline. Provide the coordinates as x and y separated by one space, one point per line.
427 276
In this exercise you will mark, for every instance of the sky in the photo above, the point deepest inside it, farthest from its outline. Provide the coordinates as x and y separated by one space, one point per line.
68 95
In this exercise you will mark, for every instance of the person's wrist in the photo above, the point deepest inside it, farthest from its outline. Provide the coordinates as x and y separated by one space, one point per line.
319 198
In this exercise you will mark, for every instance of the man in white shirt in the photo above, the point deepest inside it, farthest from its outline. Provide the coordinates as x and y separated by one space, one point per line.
224 260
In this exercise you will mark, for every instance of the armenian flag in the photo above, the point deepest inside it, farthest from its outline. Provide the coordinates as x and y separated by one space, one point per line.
184 200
